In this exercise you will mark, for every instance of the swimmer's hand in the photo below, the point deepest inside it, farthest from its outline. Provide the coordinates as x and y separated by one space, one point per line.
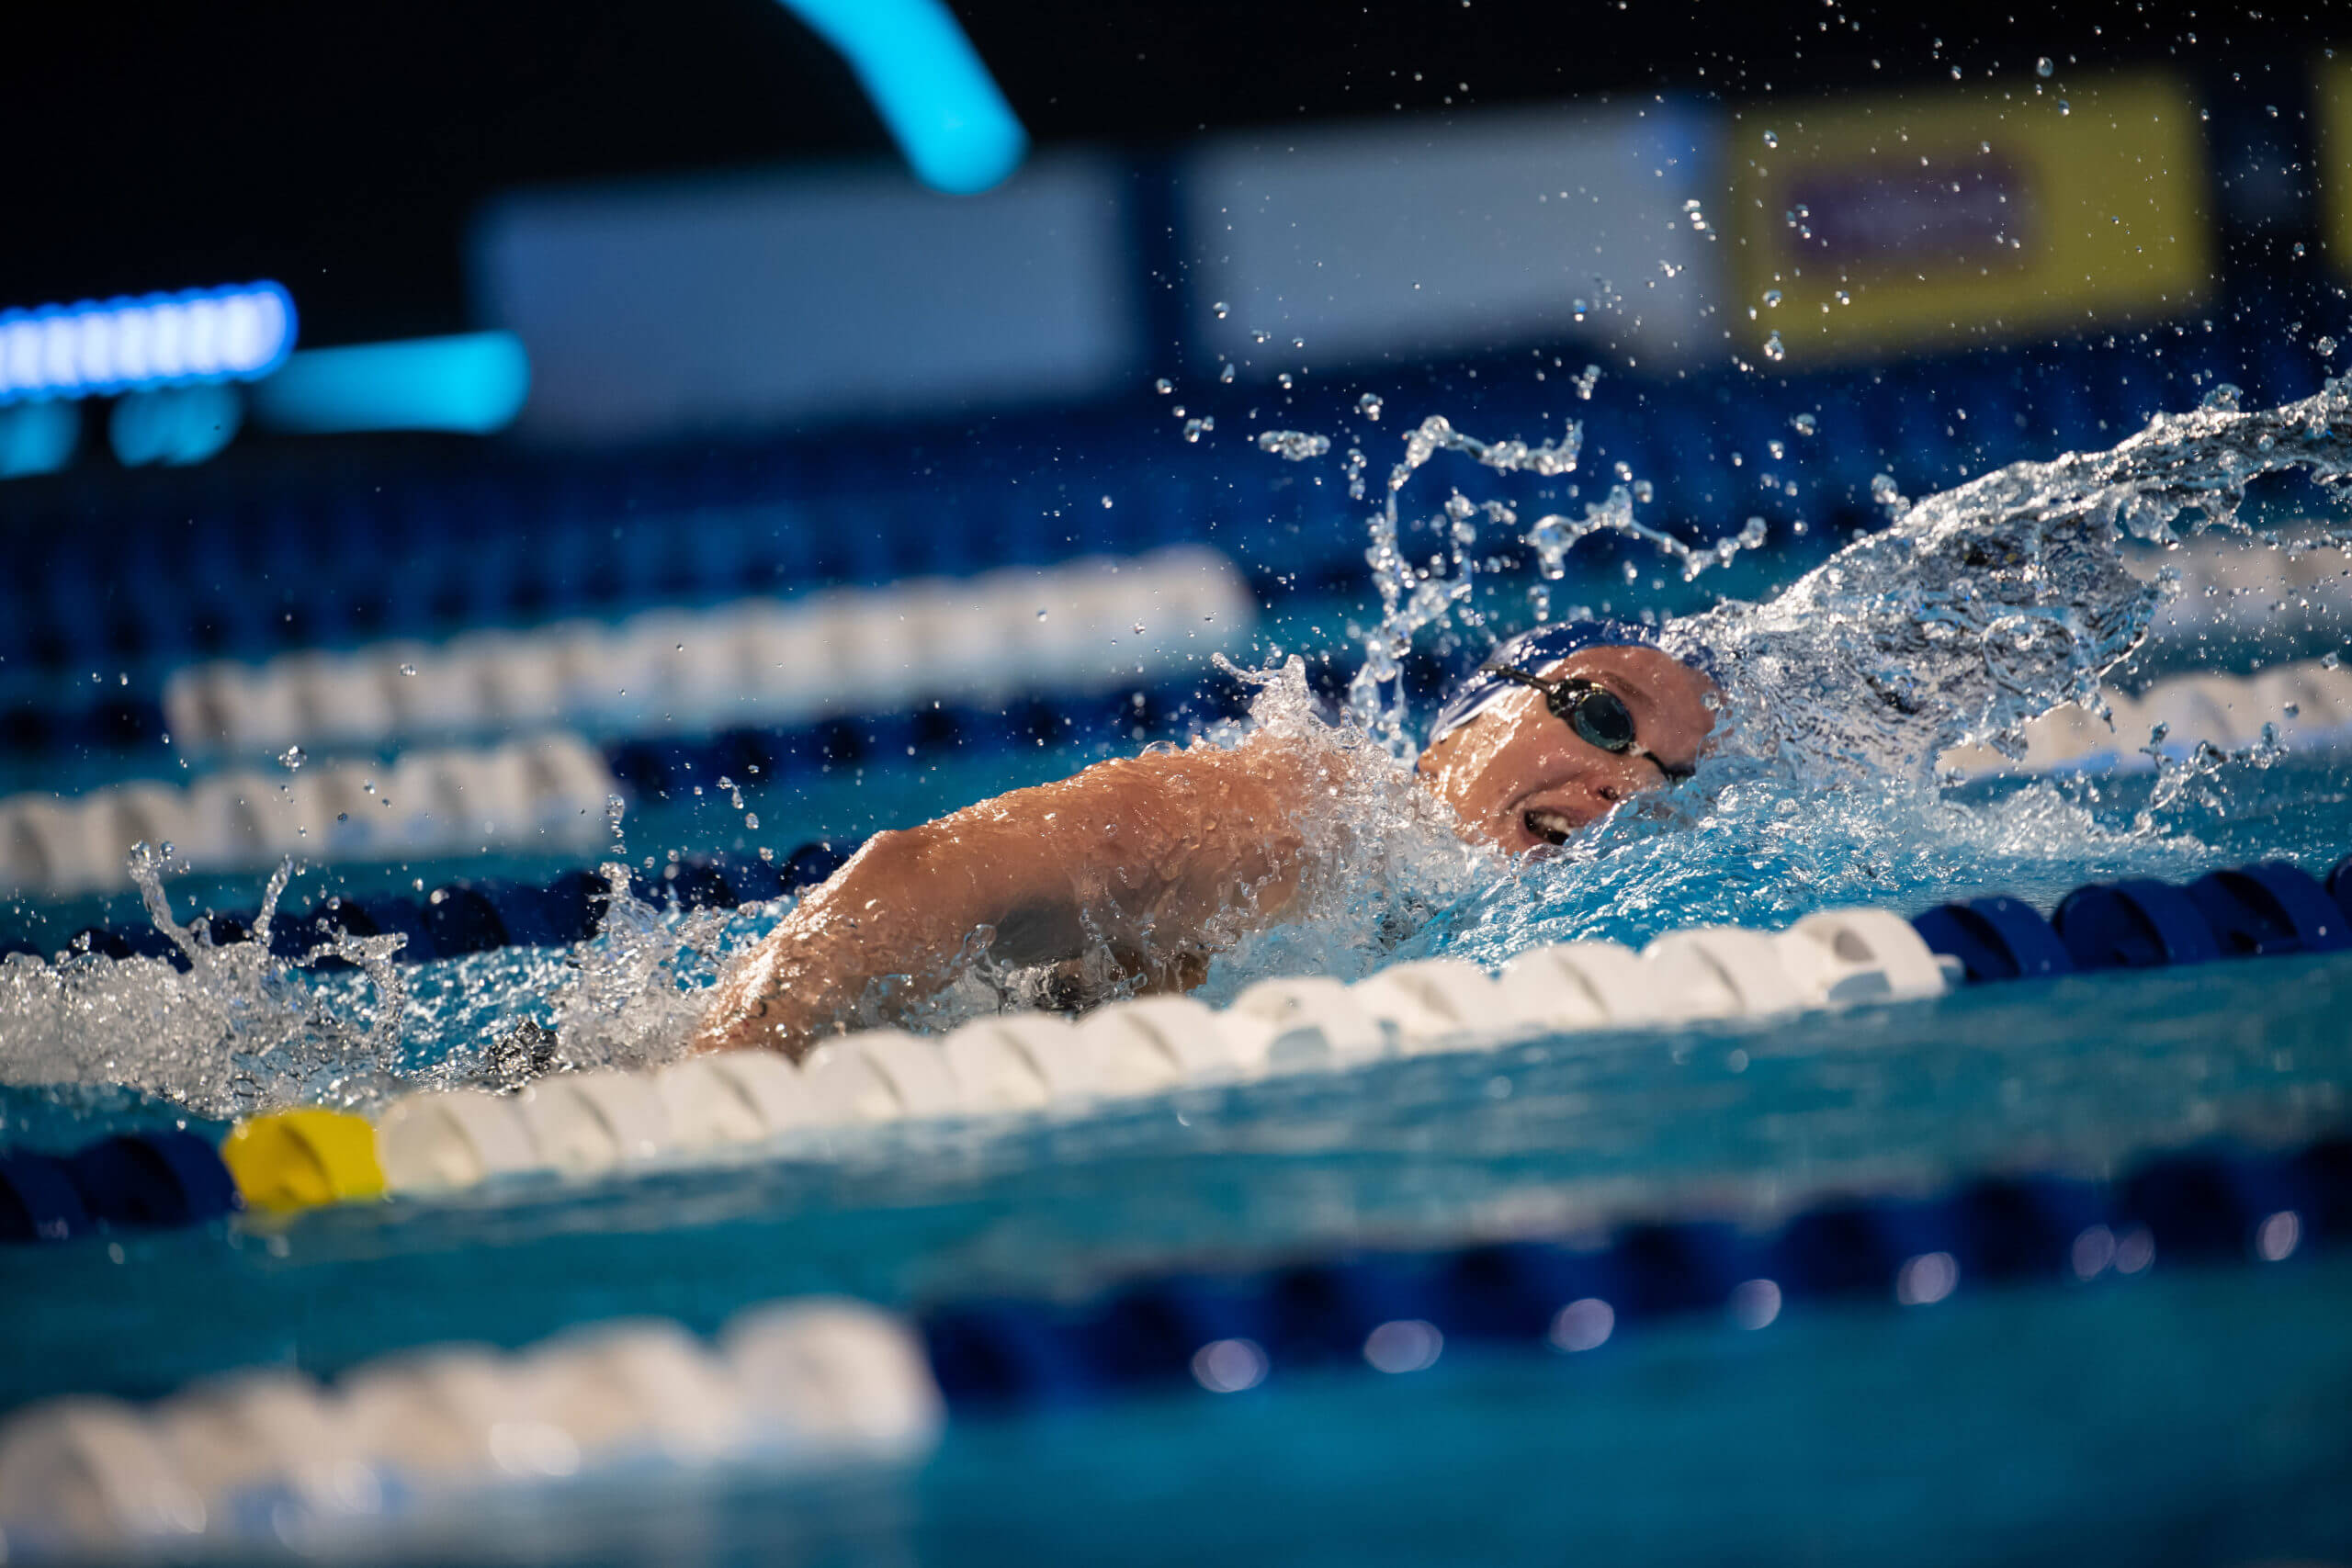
1161 859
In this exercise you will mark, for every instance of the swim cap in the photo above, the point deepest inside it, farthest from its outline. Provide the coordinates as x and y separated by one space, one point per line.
1538 650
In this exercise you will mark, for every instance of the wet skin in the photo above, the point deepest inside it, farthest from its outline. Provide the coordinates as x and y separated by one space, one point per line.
1163 859
1517 776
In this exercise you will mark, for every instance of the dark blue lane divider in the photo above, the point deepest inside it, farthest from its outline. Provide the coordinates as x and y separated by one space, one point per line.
137 1180
2266 911
1229 1330
476 917
653 768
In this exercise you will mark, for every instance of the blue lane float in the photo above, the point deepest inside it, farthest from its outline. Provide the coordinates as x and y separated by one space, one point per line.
153 1181
2268 909
468 917
1994 938
1228 1330
131 1181
2135 924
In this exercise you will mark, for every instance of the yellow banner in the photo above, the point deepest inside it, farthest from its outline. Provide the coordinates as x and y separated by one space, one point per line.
2332 83
1868 225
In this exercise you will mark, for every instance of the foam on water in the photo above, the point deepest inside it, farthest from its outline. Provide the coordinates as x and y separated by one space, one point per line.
1976 610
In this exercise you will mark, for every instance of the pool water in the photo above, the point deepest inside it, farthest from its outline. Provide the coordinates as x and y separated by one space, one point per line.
2188 1413
2173 1417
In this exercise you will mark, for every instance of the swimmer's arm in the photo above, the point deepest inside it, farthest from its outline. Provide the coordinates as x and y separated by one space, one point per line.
1150 856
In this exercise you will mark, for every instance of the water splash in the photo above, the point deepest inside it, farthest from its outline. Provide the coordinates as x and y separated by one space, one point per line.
1990 605
635 992
235 1031
241 1029
1439 595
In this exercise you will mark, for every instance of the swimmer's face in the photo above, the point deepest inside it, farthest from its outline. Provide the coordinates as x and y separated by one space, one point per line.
1518 777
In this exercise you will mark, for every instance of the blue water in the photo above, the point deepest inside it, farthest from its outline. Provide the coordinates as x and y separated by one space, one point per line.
1546 1137
2185 1415
2191 1419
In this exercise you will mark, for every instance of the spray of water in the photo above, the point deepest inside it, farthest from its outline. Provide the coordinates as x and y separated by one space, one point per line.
235 1031
1990 605
1441 593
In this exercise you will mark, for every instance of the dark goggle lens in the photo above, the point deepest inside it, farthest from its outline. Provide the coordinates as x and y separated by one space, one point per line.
1597 714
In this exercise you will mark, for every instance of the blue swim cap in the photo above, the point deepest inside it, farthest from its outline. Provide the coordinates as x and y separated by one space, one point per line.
1538 650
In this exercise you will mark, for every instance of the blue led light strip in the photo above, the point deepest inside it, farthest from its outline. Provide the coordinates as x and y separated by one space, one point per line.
240 333
930 87
471 384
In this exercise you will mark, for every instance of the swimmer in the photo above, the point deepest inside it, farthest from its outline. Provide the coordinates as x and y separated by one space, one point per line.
1162 860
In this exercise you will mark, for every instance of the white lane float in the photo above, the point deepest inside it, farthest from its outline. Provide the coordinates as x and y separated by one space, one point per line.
1040 1063
274 1459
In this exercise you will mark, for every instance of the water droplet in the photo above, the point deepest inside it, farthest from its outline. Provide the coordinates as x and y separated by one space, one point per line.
1106 504
2066 108
408 669
2045 66
1771 299
1805 423
751 821
1297 445
1772 139
1225 373
1370 404
2325 346
1164 385
1041 614
1221 309
293 757
1955 73
1773 349
1196 428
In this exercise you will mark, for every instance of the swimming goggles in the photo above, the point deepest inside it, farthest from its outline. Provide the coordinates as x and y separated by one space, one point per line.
1598 714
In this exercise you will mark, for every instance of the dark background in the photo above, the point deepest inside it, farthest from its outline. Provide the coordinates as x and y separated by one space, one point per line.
343 148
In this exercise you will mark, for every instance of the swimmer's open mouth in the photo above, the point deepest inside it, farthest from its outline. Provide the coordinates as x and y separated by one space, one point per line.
1548 826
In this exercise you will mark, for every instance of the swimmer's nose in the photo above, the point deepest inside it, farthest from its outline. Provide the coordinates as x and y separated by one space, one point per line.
1621 779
